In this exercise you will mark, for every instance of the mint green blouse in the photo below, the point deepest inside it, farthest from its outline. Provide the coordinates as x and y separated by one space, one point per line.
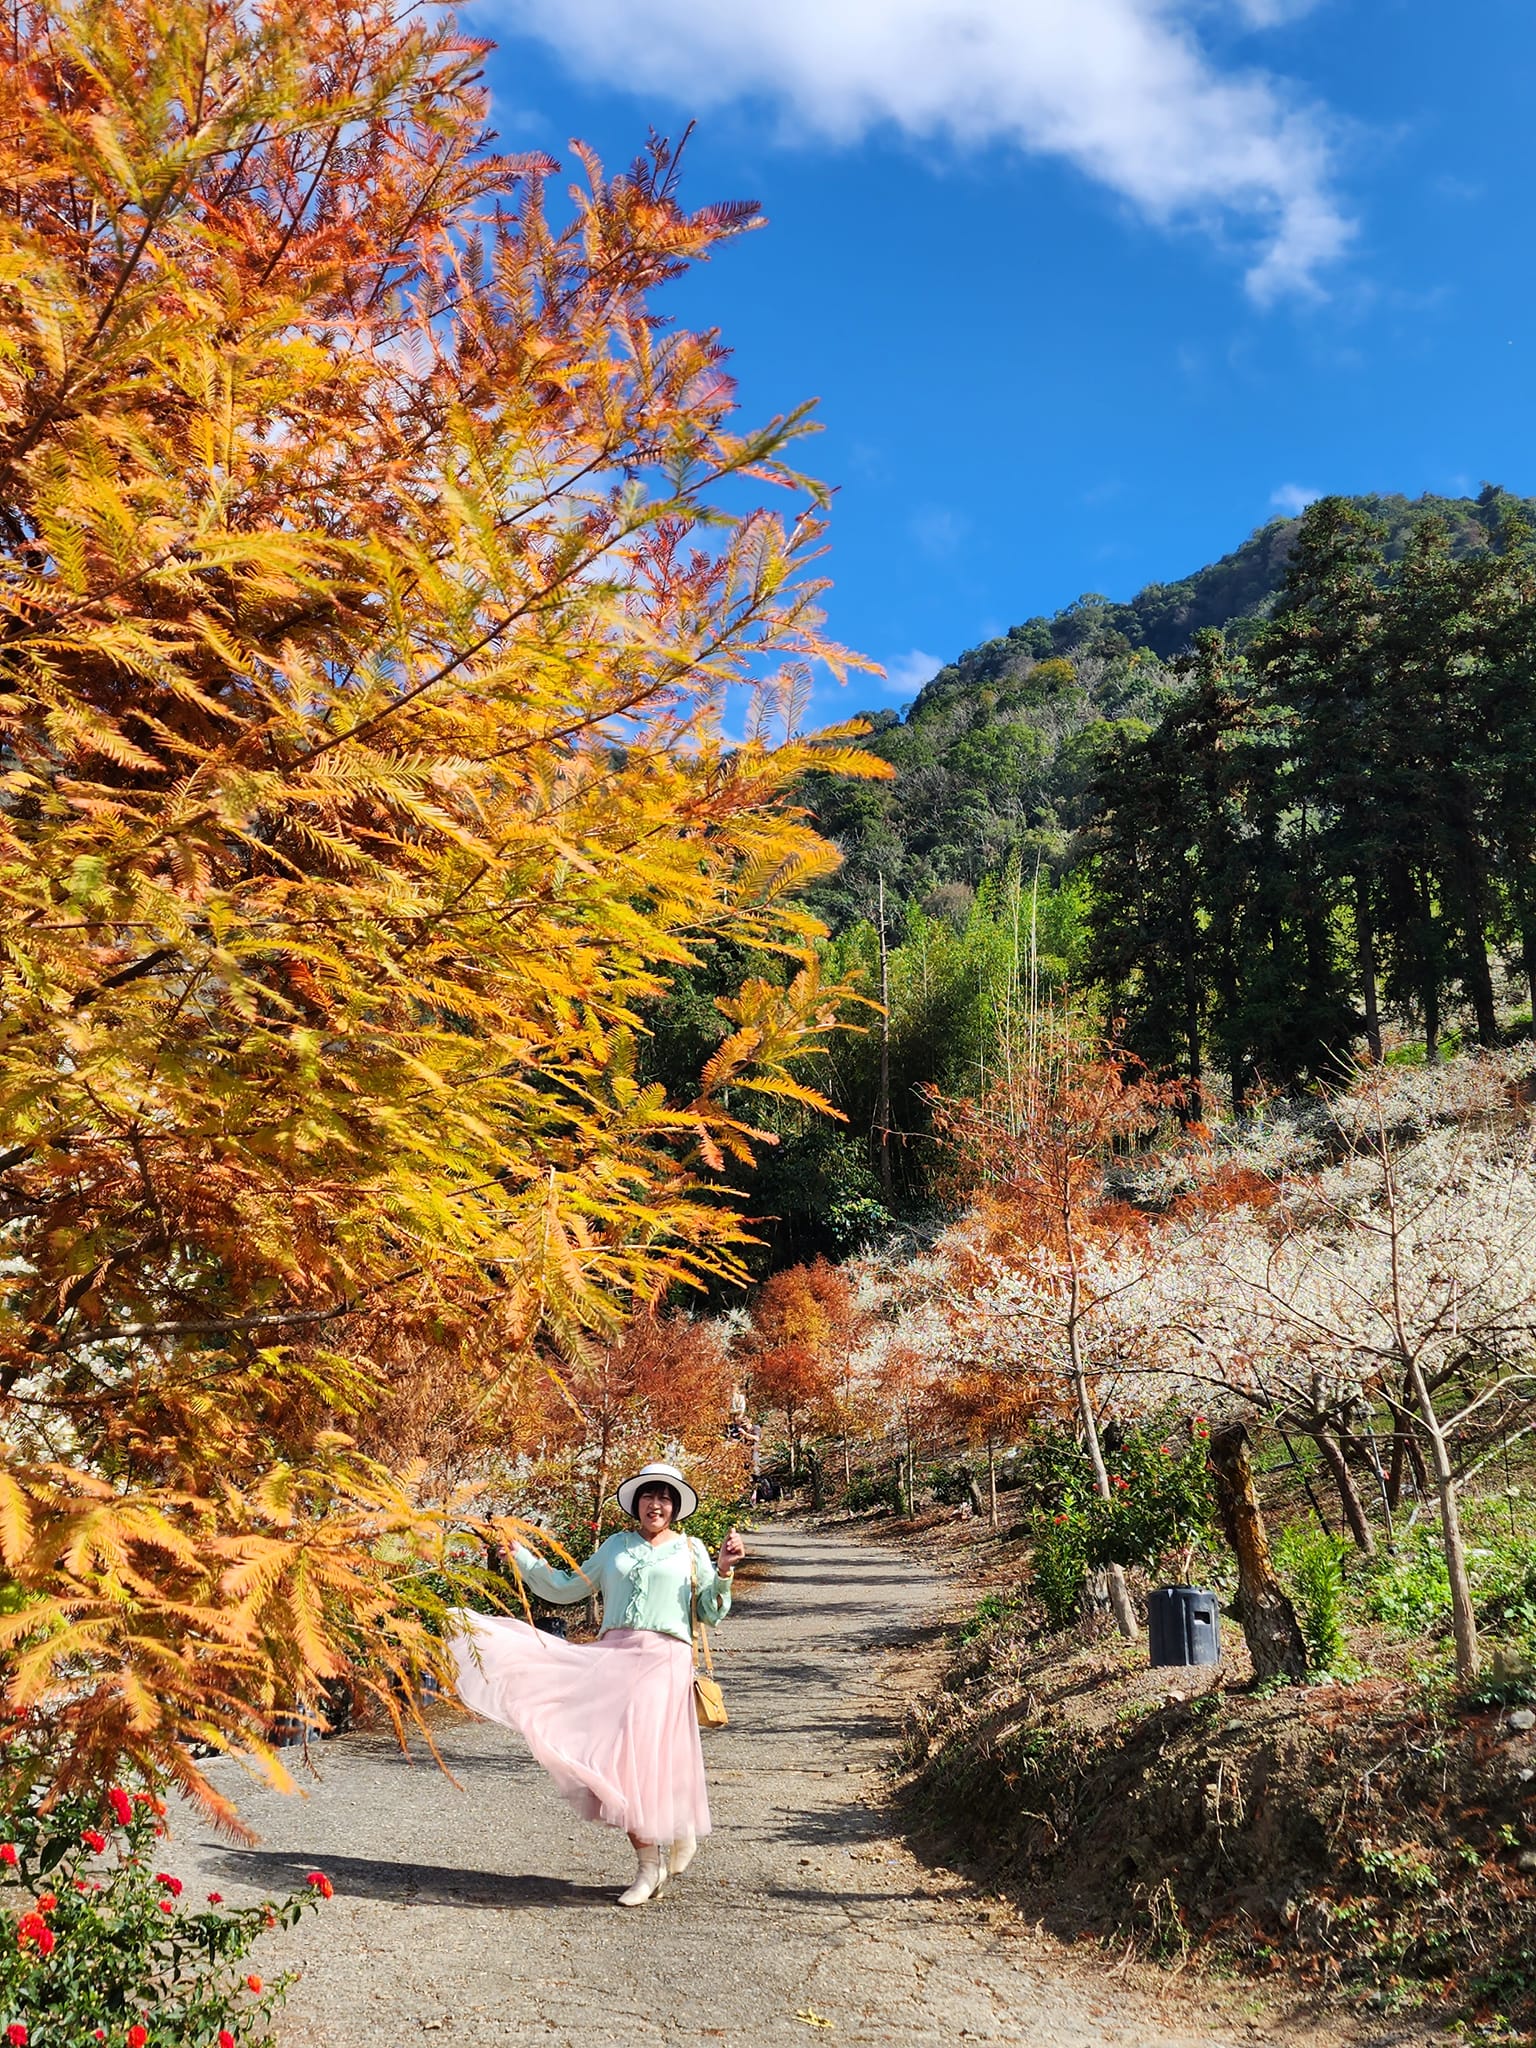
641 1585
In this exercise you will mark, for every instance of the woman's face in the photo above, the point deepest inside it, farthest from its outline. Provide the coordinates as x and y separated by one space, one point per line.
653 1510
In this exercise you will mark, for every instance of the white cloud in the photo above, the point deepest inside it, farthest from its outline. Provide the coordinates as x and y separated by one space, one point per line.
1271 13
907 673
1120 88
1293 499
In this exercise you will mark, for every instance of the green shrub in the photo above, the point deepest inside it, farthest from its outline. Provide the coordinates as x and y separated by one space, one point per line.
101 1940
1048 1467
1313 1561
1507 1590
1059 1567
874 1490
713 1520
1161 1509
1409 1592
953 1485
989 1610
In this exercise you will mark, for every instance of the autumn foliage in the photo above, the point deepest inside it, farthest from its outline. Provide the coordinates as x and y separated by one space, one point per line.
370 614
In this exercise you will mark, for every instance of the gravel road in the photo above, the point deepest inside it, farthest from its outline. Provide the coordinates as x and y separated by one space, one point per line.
484 1912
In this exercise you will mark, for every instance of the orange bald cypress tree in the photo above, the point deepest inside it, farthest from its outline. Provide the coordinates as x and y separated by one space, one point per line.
368 616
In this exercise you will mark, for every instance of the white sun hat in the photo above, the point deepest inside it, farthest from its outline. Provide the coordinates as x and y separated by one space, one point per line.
658 1475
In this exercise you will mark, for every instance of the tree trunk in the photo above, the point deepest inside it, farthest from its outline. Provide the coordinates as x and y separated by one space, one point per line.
1404 1448
1121 1603
1268 1619
992 1481
1365 951
1194 1108
1344 1480
1480 986
1463 1617
883 1110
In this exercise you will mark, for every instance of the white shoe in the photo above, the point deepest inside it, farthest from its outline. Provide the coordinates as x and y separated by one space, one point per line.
649 1877
681 1854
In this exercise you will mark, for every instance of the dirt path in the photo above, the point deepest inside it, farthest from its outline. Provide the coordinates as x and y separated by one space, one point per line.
486 1914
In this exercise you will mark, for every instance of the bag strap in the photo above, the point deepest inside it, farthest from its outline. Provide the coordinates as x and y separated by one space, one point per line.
698 1634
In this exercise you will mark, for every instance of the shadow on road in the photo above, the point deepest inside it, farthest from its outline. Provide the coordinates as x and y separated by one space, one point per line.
409 1884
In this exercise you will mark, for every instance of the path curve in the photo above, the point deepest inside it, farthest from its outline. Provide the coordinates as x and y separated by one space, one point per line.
486 1915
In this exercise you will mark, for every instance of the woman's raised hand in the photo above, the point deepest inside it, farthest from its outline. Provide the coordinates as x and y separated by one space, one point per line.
732 1551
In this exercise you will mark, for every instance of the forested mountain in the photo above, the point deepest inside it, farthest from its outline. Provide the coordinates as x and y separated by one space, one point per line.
996 753
1306 837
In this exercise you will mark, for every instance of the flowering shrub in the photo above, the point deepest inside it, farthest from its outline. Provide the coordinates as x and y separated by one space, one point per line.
105 1948
1160 1511
1163 1509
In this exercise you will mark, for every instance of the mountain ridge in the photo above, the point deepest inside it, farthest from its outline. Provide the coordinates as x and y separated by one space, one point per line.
1236 589
995 753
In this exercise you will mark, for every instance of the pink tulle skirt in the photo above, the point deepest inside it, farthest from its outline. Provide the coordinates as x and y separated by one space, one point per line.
612 1722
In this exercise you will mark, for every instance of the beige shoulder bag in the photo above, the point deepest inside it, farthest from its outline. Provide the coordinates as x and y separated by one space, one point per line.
708 1700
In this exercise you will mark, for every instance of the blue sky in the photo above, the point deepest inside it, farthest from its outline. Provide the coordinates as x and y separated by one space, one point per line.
1086 289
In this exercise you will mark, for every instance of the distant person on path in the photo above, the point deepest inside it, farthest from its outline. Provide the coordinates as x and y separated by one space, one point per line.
613 1722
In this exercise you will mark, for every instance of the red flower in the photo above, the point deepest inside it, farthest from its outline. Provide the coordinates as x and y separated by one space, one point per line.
47 1903
16 2034
318 1881
253 1982
81 1885
215 1898
172 1884
100 2034
94 1840
8 1855
166 1906
226 2038
137 2035
33 1928
121 1805
1166 1449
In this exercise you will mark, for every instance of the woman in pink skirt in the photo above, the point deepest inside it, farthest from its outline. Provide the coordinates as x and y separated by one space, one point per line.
613 1722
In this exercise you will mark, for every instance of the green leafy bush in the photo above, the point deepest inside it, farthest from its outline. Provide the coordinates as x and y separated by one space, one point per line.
1049 1467
953 1485
1507 1591
1060 1565
712 1520
1313 1561
874 1490
1162 1508
989 1610
102 1948
1160 1511
1409 1592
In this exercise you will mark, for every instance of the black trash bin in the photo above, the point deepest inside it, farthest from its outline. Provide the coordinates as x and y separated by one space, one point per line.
1184 1626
